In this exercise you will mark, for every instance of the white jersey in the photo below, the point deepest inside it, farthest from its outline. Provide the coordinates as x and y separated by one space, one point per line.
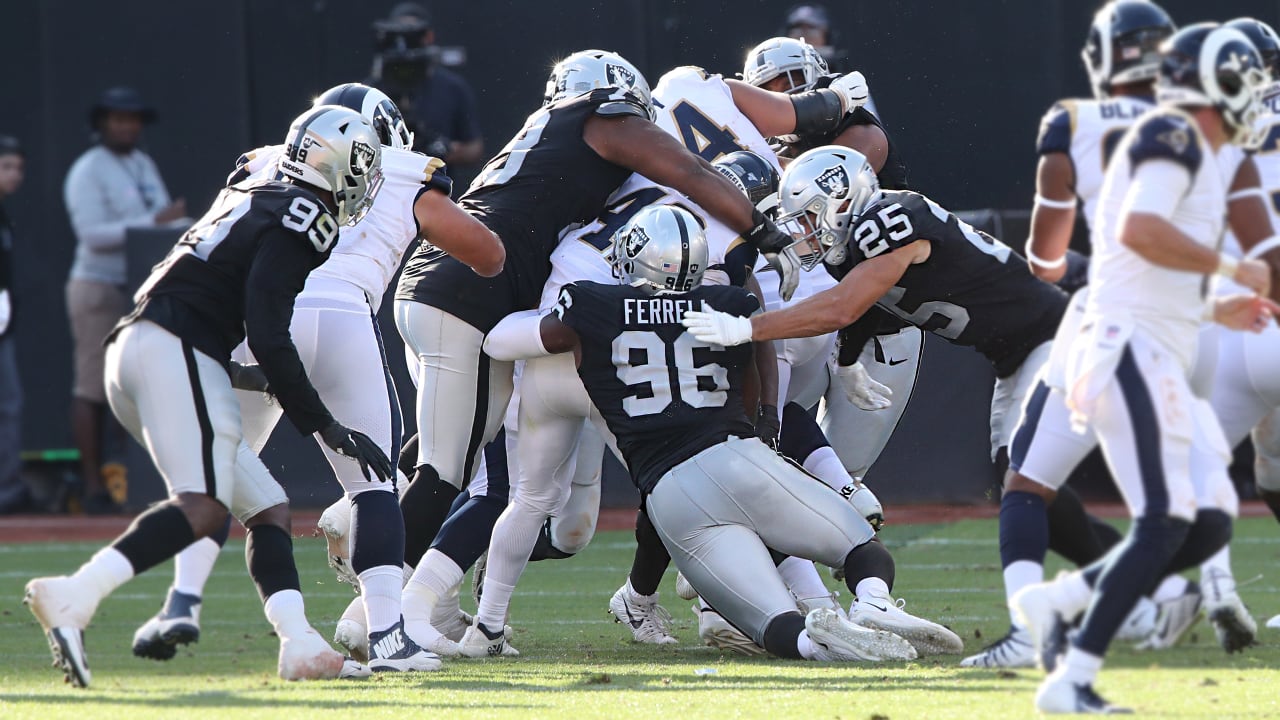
368 254
1088 131
1267 160
697 109
1168 305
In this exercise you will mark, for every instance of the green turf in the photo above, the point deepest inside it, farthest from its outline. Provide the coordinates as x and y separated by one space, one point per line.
577 664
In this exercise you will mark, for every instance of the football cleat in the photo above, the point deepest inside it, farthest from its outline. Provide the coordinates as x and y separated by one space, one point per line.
1034 610
351 634
1274 623
392 651
1232 623
1011 651
716 632
309 657
178 623
807 604
684 589
479 642
335 524
1174 617
649 622
64 611
1140 623
477 576
1058 695
927 637
838 639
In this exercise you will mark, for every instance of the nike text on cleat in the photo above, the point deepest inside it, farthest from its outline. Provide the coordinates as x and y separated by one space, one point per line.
838 639
1058 695
927 637
63 610
1011 651
178 623
392 651
718 633
1173 618
649 622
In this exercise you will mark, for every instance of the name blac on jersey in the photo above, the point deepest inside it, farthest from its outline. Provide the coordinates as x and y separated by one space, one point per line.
656 310
1120 111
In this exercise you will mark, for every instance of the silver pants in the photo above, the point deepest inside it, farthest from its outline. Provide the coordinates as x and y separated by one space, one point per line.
719 513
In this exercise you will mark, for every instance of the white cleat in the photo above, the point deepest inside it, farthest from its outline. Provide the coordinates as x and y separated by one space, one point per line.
335 524
649 622
1174 618
479 642
716 632
684 590
839 639
64 611
351 634
309 657
1058 695
926 636
1232 624
1011 651
1140 623
393 651
1274 623
1034 610
808 604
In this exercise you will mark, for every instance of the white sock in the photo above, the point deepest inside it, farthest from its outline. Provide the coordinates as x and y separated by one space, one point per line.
107 570
802 578
1071 594
872 587
1018 575
192 566
1173 586
380 587
637 597
514 535
806 647
437 572
287 614
1081 667
447 608
826 466
1220 562
407 573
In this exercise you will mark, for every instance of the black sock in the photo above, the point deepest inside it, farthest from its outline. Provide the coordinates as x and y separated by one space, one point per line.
870 559
1070 534
464 537
268 551
782 633
1024 531
1209 533
651 559
1272 499
545 548
155 536
377 531
425 505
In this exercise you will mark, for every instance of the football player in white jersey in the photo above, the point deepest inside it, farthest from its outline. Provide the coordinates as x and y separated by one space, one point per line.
1076 141
1127 365
336 330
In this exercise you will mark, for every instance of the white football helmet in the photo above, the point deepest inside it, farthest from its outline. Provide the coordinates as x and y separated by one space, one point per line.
820 195
798 60
375 107
1215 66
663 248
587 70
334 148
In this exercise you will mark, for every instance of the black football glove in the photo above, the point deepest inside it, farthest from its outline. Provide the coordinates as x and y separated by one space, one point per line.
249 378
357 446
768 426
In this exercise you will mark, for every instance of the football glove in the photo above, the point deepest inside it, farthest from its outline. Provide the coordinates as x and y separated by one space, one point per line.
852 89
768 426
776 247
717 328
359 447
249 378
861 389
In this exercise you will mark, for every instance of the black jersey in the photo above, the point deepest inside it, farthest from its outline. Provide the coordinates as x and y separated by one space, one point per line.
547 178
972 290
892 176
664 394
237 272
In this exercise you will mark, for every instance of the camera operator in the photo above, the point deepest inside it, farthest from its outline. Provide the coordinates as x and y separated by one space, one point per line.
438 105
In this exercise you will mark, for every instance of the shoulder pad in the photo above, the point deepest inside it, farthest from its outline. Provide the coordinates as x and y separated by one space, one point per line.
1166 136
694 70
1056 129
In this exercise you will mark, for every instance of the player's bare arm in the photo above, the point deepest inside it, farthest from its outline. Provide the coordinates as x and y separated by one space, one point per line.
1052 217
453 230
1250 220
870 140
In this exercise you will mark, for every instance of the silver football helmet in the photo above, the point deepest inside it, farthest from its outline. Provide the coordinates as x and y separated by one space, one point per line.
821 193
587 70
375 107
663 248
335 149
798 60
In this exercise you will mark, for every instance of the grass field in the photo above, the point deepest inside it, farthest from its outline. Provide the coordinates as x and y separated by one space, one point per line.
577 664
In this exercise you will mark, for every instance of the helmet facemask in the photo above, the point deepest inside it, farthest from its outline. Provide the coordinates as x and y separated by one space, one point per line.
822 193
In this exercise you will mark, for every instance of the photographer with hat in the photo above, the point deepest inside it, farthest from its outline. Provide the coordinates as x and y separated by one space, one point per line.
110 188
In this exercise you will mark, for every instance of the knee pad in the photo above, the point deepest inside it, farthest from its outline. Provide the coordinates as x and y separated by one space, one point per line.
801 434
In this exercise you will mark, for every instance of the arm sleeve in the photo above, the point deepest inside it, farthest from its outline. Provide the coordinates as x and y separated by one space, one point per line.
853 337
276 277
90 218
739 260
1157 188
517 337
1055 130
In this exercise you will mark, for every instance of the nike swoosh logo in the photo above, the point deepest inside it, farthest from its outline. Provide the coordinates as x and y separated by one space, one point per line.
878 607
898 362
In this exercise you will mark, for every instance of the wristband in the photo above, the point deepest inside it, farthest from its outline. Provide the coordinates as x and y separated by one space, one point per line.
1047 264
1247 193
1056 204
1227 266
1263 248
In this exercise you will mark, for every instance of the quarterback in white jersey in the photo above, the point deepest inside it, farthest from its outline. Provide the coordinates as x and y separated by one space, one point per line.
1128 364
336 331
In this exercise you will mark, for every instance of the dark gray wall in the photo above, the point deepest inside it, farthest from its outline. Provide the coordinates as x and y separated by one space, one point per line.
961 85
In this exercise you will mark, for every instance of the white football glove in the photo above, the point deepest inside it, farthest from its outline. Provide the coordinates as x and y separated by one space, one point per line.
718 328
861 389
787 264
865 502
852 89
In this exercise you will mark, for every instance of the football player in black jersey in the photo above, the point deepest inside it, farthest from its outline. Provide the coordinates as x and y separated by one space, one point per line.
595 130
169 380
901 250
718 497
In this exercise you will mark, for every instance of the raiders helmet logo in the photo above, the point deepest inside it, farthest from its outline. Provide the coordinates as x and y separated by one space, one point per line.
635 242
361 158
620 76
834 181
